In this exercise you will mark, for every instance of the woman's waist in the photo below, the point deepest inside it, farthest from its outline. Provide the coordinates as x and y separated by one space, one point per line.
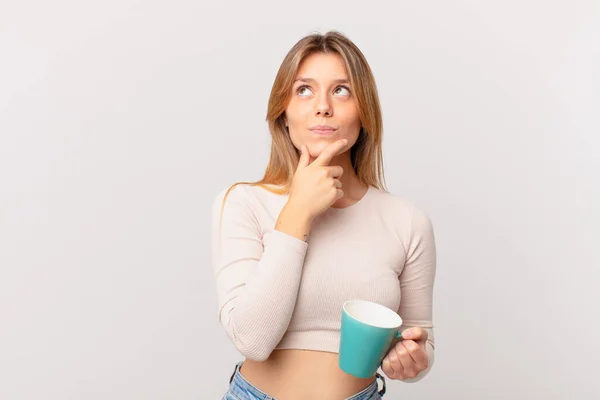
323 340
301 374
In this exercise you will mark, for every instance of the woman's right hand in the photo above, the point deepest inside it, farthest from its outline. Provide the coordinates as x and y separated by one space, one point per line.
316 186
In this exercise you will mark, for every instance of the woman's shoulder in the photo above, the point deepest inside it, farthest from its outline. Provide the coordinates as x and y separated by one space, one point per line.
402 206
232 193
395 201
236 187
251 189
250 194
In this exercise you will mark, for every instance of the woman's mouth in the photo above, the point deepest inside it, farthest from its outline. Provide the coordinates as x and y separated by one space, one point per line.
323 132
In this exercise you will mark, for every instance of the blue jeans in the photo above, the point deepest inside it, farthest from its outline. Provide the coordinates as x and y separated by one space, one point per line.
241 389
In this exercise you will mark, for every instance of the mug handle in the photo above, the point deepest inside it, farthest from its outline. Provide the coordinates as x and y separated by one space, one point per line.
398 335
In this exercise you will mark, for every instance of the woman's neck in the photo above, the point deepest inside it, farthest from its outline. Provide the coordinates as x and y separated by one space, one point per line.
353 188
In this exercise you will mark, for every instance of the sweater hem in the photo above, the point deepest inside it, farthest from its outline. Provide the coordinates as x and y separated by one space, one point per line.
320 340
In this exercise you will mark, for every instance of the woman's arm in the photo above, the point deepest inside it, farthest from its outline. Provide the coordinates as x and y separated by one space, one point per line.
416 283
256 287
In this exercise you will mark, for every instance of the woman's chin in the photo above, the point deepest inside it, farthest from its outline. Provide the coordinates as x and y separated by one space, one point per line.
316 149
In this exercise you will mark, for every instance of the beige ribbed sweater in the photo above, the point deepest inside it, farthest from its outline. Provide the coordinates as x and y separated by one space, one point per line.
276 291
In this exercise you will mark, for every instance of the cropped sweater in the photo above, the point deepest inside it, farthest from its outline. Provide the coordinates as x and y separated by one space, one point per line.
276 291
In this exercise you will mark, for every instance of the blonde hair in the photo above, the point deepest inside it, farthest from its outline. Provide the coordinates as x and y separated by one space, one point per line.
366 153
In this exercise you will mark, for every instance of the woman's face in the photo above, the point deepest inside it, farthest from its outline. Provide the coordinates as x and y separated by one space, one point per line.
321 95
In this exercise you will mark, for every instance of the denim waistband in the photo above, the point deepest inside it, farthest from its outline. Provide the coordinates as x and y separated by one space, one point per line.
243 389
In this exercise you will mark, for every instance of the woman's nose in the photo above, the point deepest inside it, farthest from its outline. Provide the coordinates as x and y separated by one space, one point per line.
323 107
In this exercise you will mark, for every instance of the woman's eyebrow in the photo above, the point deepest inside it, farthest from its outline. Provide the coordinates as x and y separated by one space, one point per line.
341 80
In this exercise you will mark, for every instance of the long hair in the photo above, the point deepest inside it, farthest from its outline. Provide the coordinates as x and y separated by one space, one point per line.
366 153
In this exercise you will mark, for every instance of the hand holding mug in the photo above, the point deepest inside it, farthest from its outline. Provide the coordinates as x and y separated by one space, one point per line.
407 358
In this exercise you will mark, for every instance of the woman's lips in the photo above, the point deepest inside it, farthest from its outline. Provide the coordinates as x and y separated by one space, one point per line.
323 131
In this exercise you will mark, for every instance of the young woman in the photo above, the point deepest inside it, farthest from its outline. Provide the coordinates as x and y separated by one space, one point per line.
317 230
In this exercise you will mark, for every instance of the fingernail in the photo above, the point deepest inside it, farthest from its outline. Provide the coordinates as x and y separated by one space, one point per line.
406 334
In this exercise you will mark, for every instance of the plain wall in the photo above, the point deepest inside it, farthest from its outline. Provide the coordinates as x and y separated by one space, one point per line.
121 120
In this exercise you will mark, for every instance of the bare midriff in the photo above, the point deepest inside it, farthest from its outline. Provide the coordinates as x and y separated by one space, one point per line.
291 374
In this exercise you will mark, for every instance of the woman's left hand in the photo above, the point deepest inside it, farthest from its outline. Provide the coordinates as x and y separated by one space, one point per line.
407 357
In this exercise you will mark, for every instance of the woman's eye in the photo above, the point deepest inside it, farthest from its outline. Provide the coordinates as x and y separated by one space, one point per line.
343 87
300 88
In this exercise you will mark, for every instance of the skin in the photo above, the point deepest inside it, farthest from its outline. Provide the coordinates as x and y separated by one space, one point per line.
407 358
300 374
323 101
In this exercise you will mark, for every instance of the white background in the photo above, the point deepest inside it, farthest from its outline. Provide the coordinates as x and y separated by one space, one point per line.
121 120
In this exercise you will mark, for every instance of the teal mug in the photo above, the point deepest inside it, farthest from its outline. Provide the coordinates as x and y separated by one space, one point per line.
367 332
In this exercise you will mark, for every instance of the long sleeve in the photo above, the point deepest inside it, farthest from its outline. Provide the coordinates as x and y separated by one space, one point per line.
416 283
257 280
